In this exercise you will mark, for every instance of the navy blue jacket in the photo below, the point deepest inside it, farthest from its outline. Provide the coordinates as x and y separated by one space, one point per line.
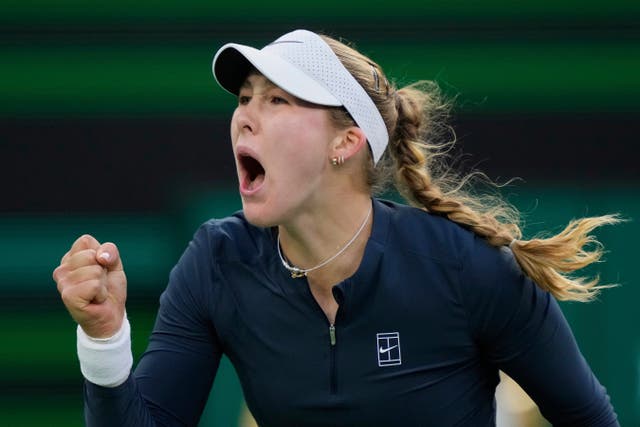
422 329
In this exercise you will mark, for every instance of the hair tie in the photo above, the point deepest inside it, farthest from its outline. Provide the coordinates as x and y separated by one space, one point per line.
376 79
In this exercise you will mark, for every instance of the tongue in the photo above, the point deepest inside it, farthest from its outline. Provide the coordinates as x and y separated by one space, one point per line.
257 182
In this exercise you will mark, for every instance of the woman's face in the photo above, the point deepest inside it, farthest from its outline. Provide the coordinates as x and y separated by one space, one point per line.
281 146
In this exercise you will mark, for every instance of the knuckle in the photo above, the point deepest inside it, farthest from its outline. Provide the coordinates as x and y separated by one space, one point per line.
65 257
57 272
66 293
86 238
79 240
67 284
83 242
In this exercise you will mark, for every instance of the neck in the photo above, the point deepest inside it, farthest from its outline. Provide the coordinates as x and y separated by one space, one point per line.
318 236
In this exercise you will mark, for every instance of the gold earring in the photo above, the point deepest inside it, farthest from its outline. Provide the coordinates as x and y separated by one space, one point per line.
337 161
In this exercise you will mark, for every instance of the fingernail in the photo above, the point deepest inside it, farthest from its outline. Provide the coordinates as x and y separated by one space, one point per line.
105 256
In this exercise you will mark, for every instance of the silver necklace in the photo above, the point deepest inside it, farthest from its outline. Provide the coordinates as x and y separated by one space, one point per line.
297 272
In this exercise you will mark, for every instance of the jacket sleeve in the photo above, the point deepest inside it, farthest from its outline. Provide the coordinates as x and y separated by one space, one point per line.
172 381
521 330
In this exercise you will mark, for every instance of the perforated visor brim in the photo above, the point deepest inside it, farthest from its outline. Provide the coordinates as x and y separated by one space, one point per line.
233 62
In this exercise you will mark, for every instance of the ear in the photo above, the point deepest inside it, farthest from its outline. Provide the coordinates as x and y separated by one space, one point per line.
348 143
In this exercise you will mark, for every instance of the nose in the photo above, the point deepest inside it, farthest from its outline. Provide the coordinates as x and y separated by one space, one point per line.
245 119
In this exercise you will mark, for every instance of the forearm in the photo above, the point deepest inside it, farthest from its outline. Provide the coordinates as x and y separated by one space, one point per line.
116 406
111 394
173 378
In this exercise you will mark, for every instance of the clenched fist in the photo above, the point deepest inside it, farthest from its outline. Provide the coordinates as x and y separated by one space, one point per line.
93 286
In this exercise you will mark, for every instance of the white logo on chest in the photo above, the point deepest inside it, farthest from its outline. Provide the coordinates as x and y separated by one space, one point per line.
388 345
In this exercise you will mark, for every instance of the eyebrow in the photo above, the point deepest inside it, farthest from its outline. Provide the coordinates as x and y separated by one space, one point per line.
247 84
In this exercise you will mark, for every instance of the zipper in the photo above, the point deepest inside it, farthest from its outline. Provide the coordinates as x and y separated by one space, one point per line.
332 359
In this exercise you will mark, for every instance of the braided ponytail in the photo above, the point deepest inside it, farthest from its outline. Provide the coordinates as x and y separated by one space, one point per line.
415 117
549 262
415 124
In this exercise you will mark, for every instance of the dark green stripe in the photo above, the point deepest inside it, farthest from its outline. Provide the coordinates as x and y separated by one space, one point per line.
54 333
255 11
32 247
176 80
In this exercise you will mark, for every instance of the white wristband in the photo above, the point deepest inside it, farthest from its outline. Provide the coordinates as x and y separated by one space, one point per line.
106 361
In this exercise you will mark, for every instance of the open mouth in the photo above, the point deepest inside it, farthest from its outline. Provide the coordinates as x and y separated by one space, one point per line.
253 172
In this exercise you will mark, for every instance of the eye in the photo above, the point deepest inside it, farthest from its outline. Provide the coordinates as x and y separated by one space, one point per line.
243 99
278 100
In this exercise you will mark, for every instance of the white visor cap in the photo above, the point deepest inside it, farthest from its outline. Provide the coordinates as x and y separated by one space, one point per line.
302 64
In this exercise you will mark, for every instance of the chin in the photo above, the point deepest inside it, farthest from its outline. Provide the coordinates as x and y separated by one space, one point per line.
257 217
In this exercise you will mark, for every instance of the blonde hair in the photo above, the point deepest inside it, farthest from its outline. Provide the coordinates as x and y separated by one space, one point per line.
415 117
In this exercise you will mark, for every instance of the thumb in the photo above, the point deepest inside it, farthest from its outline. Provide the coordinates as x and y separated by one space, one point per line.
108 256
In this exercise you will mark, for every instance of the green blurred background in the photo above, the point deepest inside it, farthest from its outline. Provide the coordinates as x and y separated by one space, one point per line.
111 124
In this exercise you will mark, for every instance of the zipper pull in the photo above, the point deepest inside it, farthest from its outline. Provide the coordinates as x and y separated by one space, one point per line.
332 334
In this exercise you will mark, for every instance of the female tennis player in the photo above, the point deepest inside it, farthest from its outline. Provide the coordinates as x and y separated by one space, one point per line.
335 307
